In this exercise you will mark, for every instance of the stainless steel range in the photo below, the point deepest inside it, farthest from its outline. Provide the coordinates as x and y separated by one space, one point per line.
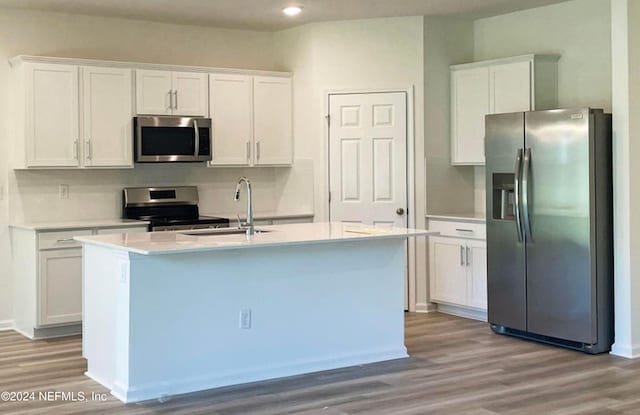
167 208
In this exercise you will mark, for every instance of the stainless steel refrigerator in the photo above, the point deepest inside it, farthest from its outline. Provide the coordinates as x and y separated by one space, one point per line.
550 226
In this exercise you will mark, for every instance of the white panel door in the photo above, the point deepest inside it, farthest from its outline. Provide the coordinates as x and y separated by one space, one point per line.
272 120
153 92
367 158
448 270
107 117
470 104
52 122
510 87
190 94
477 273
230 97
60 286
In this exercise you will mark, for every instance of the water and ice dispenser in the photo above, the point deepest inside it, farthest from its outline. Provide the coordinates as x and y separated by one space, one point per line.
503 196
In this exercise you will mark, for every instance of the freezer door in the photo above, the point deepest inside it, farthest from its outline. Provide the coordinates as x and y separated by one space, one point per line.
506 283
560 285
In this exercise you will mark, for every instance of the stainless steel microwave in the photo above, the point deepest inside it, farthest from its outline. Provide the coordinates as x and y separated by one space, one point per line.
164 139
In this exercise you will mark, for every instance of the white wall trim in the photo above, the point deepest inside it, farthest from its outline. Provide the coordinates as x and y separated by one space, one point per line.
629 352
6 325
426 307
462 312
411 174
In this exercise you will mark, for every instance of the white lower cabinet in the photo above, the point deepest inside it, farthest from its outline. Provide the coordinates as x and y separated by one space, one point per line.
60 288
47 272
458 268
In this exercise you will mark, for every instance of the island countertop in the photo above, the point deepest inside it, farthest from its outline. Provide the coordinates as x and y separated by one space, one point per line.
157 243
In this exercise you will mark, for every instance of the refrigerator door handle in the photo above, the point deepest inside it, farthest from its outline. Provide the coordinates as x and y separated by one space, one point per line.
525 194
516 193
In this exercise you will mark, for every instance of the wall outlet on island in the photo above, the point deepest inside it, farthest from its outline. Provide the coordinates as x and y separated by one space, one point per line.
63 191
245 318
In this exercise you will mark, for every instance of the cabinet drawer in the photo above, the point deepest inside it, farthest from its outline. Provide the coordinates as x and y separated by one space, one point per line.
459 229
62 239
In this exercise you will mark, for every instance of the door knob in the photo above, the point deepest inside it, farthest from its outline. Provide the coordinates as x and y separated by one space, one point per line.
400 211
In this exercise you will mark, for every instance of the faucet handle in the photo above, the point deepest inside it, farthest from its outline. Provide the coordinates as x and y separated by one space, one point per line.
239 222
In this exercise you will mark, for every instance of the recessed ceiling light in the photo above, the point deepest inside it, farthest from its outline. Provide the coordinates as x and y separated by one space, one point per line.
292 10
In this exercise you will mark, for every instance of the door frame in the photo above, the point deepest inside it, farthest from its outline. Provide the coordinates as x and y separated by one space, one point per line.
411 173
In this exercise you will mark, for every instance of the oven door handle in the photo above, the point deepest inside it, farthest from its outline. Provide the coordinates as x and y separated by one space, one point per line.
197 138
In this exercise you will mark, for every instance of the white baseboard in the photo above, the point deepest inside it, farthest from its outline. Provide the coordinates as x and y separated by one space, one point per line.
171 387
6 325
426 307
628 351
463 312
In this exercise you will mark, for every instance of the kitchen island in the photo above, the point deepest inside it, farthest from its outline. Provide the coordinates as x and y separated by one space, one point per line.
166 313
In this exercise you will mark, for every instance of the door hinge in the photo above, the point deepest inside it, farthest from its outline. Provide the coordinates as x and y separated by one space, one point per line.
328 117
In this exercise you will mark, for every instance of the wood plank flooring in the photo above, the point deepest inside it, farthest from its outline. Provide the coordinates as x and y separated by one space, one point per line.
457 366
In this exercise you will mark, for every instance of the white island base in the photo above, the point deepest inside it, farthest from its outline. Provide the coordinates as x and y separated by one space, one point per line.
158 325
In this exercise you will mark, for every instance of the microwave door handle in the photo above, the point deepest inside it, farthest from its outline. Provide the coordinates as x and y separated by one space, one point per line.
197 138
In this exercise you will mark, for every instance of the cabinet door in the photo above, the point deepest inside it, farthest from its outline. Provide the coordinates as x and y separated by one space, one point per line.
470 104
477 273
448 273
153 92
52 123
60 286
231 109
510 87
272 120
190 94
107 115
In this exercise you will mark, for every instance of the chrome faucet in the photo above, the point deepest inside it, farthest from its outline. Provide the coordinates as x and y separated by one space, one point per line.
250 230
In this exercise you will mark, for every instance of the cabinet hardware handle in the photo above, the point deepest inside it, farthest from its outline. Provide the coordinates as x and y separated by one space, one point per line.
248 150
468 256
196 138
170 99
464 230
175 101
75 149
89 150
461 255
258 150
66 240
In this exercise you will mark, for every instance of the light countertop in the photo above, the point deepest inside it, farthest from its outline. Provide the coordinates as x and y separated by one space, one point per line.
79 224
260 215
466 217
155 243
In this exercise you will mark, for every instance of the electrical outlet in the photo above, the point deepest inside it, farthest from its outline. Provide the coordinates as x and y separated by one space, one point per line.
245 318
63 191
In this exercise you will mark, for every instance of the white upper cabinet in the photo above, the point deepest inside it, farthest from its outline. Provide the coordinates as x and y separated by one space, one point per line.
272 120
470 105
511 87
252 120
230 97
190 94
521 83
154 94
171 93
107 108
51 125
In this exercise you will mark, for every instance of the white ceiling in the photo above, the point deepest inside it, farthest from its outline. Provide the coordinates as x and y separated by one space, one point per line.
267 14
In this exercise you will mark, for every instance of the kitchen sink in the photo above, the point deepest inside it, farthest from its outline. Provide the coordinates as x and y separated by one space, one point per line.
221 231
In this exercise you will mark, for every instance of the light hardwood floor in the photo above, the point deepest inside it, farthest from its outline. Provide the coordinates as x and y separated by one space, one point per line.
457 366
